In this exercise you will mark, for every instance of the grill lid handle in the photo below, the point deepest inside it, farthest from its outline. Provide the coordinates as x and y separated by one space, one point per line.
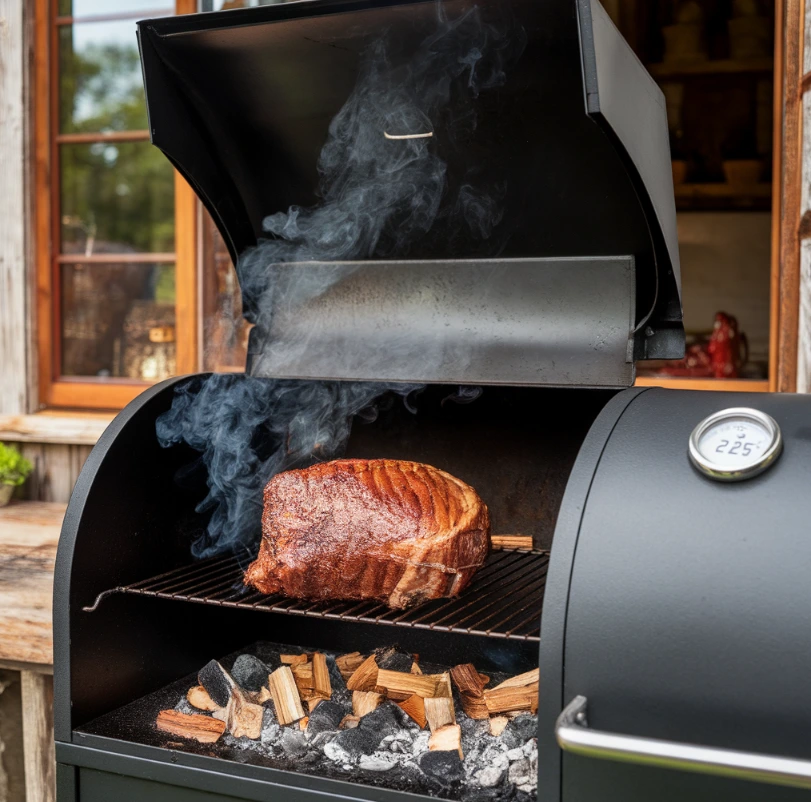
573 735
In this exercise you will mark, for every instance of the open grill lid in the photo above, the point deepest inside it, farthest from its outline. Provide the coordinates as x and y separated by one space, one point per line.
550 255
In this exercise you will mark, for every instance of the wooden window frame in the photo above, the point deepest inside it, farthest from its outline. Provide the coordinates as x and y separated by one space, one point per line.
79 392
787 211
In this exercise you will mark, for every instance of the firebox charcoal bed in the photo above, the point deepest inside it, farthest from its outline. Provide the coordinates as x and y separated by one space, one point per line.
503 601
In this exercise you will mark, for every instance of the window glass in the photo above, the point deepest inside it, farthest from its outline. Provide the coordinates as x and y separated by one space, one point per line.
94 8
225 5
224 328
118 320
116 197
100 84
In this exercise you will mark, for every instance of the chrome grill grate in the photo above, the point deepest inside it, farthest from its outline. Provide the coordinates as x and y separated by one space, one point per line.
503 601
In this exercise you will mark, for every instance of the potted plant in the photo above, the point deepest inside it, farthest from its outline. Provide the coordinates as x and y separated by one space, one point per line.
14 470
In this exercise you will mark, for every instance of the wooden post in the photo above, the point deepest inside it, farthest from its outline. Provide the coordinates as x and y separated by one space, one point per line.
38 737
13 206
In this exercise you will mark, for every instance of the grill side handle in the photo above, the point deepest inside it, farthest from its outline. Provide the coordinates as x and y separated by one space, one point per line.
574 735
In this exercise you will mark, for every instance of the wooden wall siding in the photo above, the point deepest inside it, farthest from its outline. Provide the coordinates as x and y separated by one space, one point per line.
56 468
13 160
12 776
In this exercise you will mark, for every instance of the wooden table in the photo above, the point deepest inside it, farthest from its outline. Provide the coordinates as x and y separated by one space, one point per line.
29 532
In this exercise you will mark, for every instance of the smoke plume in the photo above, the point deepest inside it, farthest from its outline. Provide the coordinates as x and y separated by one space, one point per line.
379 195
248 430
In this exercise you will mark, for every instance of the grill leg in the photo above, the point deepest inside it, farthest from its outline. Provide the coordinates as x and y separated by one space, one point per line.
38 737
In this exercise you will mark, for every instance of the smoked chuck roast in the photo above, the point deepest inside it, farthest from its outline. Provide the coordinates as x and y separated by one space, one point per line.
399 532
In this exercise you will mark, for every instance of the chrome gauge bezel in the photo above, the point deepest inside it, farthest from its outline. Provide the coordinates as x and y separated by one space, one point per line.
757 465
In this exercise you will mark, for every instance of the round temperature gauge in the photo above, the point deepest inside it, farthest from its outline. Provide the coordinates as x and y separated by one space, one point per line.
735 444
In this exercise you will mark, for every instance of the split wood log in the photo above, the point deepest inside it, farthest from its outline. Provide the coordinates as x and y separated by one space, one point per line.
414 708
471 688
364 678
447 739
321 682
285 696
263 696
467 679
303 722
303 676
293 659
197 727
415 668
528 678
399 685
364 702
512 699
198 697
348 663
498 724
243 718
349 723
498 542
439 712
313 702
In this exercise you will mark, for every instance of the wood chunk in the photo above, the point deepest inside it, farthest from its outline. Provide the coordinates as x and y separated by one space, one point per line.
303 722
414 707
313 702
293 659
467 679
349 723
471 686
285 696
321 682
529 678
498 542
474 706
439 712
497 725
348 663
443 687
415 668
364 702
198 697
512 699
263 696
399 686
364 678
447 739
243 718
205 729
484 679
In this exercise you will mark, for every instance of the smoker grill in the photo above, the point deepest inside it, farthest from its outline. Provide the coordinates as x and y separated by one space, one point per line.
668 606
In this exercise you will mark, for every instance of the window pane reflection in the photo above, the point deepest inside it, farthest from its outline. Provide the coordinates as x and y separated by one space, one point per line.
225 330
116 198
100 84
95 8
118 320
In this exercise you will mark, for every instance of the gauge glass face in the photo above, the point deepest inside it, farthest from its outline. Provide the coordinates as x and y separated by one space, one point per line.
735 442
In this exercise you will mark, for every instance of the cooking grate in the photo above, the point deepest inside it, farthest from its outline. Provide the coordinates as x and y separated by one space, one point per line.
504 600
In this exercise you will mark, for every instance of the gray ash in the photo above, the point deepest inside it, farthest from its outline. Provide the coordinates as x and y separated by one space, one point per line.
388 749
390 752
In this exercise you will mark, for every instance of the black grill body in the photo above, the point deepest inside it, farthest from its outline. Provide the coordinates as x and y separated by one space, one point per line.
676 604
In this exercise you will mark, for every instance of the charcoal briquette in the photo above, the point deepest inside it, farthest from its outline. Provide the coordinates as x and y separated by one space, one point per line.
250 673
326 717
519 731
215 679
443 767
